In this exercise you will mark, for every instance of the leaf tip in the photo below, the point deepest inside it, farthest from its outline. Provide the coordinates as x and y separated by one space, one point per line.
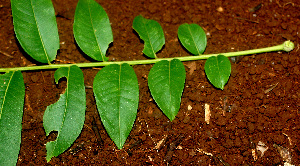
171 118
48 158
119 146
49 151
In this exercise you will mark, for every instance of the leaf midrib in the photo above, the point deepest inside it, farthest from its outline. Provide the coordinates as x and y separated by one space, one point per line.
65 111
119 105
42 41
144 22
4 98
193 39
94 32
170 89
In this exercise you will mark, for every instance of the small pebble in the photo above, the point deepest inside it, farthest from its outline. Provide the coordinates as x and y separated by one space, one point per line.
220 9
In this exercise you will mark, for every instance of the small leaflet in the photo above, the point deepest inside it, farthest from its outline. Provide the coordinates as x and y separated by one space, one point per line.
151 32
166 83
12 92
193 38
218 69
36 28
67 115
116 92
92 30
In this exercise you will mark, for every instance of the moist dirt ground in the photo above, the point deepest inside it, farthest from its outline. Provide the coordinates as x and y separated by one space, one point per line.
257 110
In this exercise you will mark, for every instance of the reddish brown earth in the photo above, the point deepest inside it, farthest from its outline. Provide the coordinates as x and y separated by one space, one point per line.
260 103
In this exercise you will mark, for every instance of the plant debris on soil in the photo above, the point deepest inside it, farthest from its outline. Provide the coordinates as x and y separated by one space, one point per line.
253 121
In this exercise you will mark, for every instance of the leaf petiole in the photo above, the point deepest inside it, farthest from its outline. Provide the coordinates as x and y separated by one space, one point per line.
286 46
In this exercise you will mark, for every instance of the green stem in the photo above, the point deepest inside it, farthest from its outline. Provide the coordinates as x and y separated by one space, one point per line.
286 46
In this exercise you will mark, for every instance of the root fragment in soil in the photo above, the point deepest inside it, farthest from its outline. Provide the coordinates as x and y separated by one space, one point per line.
284 153
207 113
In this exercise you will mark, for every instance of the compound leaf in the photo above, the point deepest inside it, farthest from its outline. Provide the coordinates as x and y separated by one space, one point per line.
193 38
36 29
12 92
151 32
117 95
92 30
67 115
166 82
218 69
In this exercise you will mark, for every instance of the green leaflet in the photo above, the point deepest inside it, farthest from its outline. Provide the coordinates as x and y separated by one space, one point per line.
193 38
92 30
36 29
151 32
116 92
66 115
166 83
12 92
218 69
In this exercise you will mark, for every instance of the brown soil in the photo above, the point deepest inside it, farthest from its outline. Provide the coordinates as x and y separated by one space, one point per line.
259 103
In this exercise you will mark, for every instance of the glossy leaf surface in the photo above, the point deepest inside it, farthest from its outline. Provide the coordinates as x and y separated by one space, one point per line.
193 38
92 30
166 83
36 28
12 92
218 69
117 95
151 33
67 115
